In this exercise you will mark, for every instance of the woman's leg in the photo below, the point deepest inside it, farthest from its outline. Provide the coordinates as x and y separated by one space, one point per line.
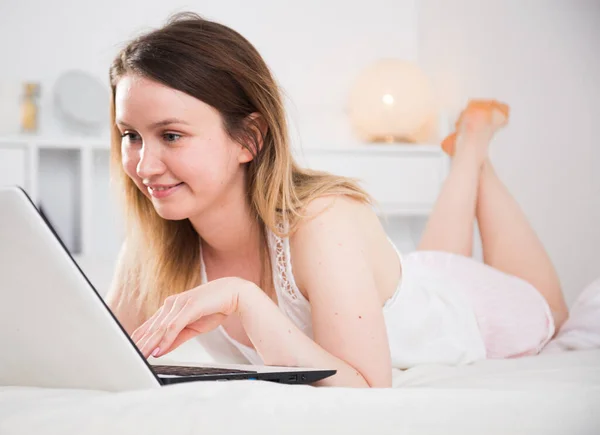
450 224
510 243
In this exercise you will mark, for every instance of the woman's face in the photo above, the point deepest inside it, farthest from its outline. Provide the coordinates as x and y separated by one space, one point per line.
175 149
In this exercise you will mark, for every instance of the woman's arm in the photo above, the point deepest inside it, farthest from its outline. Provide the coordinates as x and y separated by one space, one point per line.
280 343
277 340
331 263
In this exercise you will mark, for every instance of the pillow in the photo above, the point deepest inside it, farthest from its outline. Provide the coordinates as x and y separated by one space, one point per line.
582 329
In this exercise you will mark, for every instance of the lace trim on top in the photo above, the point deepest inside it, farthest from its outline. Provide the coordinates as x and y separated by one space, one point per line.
281 260
282 267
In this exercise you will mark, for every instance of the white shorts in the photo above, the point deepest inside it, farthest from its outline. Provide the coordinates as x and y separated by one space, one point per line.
513 317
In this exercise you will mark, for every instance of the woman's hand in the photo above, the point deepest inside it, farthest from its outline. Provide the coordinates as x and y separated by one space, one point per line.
185 315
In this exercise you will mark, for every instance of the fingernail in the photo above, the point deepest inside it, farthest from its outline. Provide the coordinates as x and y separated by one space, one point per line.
156 351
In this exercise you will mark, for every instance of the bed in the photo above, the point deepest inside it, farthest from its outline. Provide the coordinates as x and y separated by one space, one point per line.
556 392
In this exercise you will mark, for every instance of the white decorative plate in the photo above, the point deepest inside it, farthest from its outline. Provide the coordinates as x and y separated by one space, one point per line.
81 102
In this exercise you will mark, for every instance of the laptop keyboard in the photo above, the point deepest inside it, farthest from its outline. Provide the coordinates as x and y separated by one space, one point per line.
194 371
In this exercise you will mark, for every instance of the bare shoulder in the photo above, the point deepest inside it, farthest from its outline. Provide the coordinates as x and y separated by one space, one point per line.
330 217
343 232
337 210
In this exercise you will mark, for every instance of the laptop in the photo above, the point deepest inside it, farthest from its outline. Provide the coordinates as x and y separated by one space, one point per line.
57 332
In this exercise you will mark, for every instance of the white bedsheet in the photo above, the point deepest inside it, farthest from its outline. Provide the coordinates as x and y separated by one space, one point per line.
547 394
556 392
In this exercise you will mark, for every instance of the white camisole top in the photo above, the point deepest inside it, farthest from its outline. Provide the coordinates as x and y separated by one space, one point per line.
427 320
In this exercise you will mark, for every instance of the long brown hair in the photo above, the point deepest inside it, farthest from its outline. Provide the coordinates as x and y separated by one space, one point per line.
218 66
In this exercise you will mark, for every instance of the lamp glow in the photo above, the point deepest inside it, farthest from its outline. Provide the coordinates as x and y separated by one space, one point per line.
391 101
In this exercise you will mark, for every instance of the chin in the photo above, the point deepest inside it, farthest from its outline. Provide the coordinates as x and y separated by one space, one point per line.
171 212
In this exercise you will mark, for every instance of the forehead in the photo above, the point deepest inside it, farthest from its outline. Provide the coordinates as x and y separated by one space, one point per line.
138 97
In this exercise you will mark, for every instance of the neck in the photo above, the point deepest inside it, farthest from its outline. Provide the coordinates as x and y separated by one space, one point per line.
229 232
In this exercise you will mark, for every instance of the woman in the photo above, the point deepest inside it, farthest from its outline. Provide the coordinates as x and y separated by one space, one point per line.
292 266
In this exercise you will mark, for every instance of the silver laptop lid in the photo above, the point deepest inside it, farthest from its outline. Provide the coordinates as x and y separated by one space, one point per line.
55 330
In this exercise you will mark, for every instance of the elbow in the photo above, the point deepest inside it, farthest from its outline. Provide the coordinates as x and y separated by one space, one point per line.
379 381
354 379
378 376
386 384
376 380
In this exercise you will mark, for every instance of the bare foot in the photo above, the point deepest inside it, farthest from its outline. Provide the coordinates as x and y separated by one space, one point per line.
479 122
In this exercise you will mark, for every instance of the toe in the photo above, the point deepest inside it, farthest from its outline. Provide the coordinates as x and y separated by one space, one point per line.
449 143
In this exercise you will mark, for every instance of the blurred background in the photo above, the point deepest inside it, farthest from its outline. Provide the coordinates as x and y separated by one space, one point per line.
539 56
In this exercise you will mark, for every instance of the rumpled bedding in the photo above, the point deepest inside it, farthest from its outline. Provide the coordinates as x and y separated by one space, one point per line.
556 392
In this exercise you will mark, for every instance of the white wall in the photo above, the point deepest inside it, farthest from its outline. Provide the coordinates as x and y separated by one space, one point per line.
538 55
315 48
542 57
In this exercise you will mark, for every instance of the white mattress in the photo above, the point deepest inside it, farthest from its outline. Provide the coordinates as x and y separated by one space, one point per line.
556 392
546 394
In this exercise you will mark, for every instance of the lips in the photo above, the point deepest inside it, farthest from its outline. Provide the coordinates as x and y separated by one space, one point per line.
162 190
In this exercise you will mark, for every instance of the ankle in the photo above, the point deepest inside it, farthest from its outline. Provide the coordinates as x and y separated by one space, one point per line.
471 149
468 161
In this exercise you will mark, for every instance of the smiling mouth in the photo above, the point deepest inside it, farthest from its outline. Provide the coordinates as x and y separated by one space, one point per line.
163 191
163 188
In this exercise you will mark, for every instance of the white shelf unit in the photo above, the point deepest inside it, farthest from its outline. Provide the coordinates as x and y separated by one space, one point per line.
69 178
404 179
59 172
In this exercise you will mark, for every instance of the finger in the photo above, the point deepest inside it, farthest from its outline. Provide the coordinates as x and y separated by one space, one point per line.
143 329
153 324
176 322
165 325
151 342
185 335
140 334
194 328
157 318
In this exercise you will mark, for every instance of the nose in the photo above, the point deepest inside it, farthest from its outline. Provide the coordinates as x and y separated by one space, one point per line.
150 163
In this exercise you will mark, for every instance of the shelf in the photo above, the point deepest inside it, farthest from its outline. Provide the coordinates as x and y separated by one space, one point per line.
69 142
408 210
370 149
70 177
403 179
73 142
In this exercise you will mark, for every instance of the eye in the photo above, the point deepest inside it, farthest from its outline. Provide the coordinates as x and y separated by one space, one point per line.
129 137
171 137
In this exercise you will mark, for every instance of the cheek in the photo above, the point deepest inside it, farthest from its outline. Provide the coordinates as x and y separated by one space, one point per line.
129 161
204 169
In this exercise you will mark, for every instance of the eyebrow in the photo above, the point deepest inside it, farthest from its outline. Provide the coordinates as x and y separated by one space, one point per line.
163 123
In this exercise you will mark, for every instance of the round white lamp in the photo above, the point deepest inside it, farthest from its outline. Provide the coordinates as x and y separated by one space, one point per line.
392 101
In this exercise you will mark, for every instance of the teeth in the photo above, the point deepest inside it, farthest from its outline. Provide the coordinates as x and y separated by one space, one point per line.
160 189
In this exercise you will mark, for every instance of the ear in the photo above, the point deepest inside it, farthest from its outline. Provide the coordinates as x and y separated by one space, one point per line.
257 127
